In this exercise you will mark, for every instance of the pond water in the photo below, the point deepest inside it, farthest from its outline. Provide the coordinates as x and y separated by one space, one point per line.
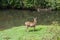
10 18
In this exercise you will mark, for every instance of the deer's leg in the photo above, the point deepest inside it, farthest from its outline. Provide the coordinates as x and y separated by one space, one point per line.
27 28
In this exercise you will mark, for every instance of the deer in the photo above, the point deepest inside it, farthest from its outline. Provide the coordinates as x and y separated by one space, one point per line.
31 24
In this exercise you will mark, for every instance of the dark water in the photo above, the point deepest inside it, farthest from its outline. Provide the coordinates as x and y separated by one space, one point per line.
15 18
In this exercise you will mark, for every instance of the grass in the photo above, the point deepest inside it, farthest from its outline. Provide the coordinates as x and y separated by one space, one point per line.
43 32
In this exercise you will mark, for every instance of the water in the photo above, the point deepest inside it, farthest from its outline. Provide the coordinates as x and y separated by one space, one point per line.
11 18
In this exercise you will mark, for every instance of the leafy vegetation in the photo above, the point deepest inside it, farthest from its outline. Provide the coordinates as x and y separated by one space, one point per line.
30 3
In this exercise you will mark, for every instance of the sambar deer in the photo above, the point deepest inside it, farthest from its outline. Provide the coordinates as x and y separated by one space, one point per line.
31 24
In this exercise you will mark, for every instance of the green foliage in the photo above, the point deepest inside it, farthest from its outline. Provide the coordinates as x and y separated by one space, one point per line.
3 3
54 3
11 3
27 3
15 3
30 3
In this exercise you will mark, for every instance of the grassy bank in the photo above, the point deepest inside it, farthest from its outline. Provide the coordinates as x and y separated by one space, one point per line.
43 32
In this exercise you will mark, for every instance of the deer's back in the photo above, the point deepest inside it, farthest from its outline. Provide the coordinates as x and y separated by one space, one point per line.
29 23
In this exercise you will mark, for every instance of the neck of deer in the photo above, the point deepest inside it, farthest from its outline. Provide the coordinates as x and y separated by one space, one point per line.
35 21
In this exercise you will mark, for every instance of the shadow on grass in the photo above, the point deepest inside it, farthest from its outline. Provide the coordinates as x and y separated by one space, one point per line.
35 30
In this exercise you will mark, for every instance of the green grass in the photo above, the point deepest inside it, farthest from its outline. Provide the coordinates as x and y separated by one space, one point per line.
43 32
